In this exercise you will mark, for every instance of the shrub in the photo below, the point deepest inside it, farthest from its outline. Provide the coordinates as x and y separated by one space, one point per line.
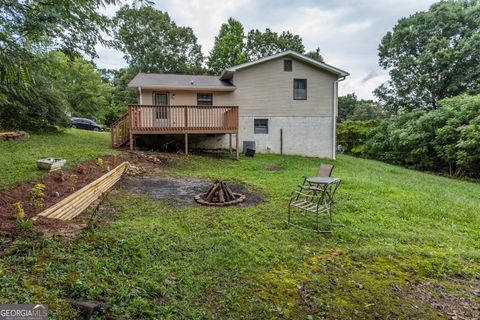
19 211
36 195
112 113
72 182
352 135
444 140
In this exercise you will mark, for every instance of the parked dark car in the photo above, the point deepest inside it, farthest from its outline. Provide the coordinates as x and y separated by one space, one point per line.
87 124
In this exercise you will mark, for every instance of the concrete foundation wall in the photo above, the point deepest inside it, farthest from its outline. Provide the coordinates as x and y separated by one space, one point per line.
308 136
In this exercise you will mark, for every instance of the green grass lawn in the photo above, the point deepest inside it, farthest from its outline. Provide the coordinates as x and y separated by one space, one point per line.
17 157
410 248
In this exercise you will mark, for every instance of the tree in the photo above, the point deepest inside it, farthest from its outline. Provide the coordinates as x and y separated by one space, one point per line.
68 25
351 135
443 140
261 44
228 49
367 111
351 108
27 97
34 106
82 86
315 55
152 42
120 94
346 106
431 55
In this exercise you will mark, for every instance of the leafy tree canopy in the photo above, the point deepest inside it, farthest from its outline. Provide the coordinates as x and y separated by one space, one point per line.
35 106
37 88
261 44
444 140
68 25
431 55
81 85
232 47
120 94
315 55
152 42
228 49
352 108
352 135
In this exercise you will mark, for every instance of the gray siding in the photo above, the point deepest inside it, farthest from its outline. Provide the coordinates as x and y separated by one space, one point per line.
266 90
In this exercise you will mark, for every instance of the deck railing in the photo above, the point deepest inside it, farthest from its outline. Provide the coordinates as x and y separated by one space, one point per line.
120 131
152 119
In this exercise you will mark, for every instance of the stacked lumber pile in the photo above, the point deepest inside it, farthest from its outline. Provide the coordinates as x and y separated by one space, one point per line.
77 202
219 194
12 135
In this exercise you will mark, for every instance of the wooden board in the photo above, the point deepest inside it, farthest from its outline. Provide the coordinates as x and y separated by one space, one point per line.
77 202
11 135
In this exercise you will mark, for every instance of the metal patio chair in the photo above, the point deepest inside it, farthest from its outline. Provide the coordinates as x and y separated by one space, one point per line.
318 200
325 170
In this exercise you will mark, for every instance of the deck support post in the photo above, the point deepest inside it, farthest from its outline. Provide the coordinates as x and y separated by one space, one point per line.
230 143
130 115
111 138
236 146
186 144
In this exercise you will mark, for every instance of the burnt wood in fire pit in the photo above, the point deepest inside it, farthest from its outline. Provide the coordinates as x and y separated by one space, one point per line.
219 194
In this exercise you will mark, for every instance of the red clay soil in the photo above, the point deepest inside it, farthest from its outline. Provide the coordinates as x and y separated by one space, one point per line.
56 182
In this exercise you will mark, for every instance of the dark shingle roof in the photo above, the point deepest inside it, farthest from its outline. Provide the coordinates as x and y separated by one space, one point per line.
179 81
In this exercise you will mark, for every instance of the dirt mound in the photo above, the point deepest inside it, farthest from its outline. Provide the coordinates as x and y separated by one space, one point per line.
58 185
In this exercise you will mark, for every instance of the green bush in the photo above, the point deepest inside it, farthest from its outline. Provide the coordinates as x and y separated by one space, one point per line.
35 107
112 113
444 140
352 135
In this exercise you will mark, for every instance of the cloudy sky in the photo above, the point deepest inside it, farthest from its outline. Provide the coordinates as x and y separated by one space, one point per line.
348 32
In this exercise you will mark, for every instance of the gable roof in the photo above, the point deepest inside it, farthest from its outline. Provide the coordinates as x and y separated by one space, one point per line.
228 73
180 81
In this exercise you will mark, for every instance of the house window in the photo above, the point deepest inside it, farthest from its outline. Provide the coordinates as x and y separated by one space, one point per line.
299 89
204 99
287 65
260 126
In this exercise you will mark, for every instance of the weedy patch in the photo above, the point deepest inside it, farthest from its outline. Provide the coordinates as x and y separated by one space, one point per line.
281 288
404 252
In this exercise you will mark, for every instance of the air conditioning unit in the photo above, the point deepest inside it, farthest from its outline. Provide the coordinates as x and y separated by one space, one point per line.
248 145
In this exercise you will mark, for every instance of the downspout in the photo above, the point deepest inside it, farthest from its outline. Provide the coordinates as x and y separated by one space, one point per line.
334 116
140 101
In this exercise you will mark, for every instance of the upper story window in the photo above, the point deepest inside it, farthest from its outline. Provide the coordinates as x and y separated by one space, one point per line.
287 65
299 89
204 99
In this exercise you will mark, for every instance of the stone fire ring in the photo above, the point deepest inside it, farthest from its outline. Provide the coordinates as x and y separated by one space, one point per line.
200 198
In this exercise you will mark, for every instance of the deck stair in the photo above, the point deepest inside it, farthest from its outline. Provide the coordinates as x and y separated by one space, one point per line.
120 131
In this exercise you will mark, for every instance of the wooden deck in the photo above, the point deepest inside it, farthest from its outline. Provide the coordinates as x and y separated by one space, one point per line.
168 119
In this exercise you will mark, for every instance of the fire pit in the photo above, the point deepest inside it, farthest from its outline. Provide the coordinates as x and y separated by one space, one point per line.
219 194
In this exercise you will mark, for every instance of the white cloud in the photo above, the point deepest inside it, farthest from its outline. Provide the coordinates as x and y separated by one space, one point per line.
347 32
109 58
204 17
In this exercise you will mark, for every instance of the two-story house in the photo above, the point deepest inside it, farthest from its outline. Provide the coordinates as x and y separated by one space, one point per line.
285 103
